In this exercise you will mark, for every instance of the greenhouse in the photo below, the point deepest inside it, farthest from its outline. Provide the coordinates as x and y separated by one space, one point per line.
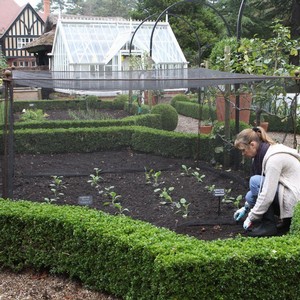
102 45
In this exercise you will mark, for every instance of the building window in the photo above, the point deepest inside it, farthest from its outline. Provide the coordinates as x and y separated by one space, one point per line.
23 41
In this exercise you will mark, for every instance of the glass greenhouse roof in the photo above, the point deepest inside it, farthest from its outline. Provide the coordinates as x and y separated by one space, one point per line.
98 41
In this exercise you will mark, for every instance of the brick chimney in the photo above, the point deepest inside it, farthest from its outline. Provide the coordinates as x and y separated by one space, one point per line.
46 8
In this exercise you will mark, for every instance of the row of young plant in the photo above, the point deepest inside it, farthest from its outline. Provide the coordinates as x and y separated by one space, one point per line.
153 178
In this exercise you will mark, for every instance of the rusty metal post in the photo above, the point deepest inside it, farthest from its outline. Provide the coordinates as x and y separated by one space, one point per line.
8 137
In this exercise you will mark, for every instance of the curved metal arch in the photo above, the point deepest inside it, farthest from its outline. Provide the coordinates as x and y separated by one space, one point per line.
174 15
135 31
194 31
239 20
185 1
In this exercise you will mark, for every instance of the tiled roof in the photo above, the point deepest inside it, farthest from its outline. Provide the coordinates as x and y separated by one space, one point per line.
9 10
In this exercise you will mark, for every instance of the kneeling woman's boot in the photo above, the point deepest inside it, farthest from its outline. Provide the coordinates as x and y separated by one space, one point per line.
267 227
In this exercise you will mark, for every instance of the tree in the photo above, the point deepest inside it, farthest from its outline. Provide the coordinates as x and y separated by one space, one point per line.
101 8
3 63
261 57
191 19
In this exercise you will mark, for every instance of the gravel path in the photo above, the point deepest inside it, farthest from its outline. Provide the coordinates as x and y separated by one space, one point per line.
187 124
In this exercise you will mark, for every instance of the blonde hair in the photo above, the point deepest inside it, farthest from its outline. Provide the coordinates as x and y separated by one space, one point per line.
256 134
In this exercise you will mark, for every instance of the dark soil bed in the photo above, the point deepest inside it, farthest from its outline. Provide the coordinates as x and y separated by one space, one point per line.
124 173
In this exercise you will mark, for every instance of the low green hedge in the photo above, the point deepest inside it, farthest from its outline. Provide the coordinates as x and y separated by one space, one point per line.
60 104
196 111
136 260
140 138
149 120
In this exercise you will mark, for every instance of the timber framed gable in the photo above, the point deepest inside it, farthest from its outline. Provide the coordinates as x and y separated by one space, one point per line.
25 28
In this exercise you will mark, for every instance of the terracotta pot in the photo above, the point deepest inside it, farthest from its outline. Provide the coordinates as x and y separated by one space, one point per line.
205 129
245 103
264 125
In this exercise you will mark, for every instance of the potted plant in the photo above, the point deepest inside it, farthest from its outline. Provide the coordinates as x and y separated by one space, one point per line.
205 126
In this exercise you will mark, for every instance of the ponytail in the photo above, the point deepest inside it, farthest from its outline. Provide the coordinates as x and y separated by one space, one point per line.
256 134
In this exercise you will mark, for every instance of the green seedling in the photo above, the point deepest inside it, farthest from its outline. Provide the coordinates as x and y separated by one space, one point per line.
198 175
152 176
56 186
210 188
229 199
183 207
166 194
156 177
95 178
113 196
120 209
186 170
148 175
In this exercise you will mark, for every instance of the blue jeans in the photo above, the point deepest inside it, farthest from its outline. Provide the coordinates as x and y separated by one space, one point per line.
254 187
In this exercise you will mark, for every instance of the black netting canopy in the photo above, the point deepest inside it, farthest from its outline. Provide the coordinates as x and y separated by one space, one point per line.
133 80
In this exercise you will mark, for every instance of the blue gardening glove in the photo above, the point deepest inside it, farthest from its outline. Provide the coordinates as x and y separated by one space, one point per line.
240 213
247 223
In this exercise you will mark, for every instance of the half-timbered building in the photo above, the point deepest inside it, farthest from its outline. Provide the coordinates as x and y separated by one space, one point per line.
19 26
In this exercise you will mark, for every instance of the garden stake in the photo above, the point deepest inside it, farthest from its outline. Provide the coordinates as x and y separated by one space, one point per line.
219 193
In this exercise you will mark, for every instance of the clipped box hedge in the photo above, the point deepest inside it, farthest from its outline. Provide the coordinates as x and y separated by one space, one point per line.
61 104
149 120
139 138
195 110
136 260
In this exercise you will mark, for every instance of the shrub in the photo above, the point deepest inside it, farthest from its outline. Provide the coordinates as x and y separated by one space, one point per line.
32 115
119 101
92 102
179 97
169 116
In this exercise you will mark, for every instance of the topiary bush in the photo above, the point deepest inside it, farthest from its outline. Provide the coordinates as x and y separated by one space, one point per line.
169 116
119 101
179 97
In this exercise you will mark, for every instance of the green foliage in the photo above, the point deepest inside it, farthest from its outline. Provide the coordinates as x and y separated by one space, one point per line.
90 114
152 177
92 102
29 115
136 109
119 101
3 63
95 179
118 8
186 170
165 193
181 98
199 177
169 116
182 207
187 26
257 56
56 187
2 112
132 259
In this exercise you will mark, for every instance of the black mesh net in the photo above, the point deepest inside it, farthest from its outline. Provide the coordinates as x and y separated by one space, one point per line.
132 80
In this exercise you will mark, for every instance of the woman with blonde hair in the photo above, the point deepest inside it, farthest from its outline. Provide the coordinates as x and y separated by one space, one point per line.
274 185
